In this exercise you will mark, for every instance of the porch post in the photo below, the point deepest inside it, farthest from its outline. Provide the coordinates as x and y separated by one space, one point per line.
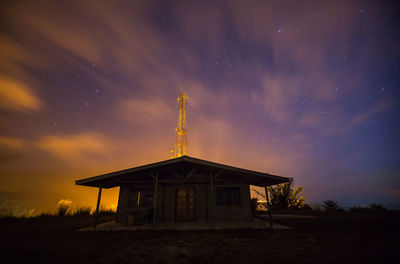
268 206
119 199
97 207
206 201
155 201
212 199
251 207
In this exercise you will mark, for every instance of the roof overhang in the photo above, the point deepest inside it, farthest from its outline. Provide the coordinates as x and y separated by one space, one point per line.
146 173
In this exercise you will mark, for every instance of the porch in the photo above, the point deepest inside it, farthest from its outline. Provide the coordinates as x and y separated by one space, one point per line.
226 225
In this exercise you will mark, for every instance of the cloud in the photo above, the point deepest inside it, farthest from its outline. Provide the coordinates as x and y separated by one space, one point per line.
12 143
10 204
373 110
311 119
13 55
142 111
76 147
12 149
277 95
337 121
15 95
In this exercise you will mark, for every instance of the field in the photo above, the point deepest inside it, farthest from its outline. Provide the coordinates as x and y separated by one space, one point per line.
342 237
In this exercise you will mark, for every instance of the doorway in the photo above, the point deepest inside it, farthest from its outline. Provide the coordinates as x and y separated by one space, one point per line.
185 204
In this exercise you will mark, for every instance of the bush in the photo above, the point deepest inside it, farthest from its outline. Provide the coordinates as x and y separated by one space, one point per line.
368 208
377 207
103 211
64 207
330 205
283 196
83 211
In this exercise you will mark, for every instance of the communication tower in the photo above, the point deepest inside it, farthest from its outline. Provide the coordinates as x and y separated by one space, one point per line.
181 147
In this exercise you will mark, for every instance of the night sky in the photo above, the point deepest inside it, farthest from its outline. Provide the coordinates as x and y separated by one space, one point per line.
308 90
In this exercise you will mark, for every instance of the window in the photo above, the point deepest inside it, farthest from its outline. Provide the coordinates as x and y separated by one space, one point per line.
134 198
228 195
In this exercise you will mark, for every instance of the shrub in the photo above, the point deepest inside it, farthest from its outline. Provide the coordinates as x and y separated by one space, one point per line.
83 211
330 205
104 211
368 208
377 207
46 214
316 208
64 207
283 196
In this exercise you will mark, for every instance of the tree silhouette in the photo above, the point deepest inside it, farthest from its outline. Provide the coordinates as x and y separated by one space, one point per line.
330 205
282 196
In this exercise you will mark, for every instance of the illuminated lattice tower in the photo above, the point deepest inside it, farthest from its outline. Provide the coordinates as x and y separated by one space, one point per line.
181 147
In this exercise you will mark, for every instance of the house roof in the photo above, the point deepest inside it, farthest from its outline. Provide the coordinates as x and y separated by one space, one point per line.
184 166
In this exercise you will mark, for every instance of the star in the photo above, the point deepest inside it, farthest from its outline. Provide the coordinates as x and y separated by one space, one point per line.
279 30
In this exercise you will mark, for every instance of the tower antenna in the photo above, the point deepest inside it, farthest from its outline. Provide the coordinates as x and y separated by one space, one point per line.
181 147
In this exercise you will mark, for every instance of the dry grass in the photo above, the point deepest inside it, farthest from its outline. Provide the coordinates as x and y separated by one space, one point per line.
331 238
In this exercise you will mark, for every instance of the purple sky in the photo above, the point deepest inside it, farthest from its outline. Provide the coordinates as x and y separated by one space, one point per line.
308 90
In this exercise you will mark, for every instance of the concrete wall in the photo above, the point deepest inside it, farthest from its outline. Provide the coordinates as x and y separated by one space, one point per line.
166 202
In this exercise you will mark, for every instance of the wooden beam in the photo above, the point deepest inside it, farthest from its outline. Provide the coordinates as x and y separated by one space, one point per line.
189 174
163 199
205 194
150 182
218 174
155 201
175 173
116 214
96 215
268 206
251 208
119 200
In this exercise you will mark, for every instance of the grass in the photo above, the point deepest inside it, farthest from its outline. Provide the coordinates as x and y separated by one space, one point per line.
340 237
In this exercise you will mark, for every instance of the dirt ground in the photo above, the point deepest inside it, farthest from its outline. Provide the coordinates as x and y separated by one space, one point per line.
331 238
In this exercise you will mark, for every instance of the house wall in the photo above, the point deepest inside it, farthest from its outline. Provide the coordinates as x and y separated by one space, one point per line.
166 203
167 213
147 192
240 212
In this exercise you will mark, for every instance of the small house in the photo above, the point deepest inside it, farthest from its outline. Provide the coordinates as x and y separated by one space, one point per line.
183 189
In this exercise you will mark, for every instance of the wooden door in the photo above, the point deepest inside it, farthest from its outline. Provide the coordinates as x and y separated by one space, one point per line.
185 204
